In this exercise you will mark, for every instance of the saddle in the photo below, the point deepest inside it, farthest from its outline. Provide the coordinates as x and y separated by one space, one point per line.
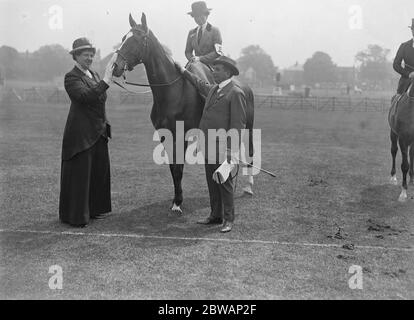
201 70
399 101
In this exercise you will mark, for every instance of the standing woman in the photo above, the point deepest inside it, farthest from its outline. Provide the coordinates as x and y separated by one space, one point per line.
85 186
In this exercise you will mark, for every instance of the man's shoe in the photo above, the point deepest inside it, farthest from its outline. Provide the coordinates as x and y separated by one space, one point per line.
227 226
80 226
211 220
101 216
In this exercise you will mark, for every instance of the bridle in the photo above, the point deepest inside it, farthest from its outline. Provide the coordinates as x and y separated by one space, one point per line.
142 59
145 47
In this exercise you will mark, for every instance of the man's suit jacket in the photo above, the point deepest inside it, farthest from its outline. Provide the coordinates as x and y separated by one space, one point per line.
206 48
224 110
405 53
86 121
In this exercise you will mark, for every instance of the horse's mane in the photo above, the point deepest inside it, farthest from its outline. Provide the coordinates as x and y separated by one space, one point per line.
410 90
154 40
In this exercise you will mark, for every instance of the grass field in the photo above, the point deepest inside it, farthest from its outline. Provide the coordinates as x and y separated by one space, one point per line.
331 190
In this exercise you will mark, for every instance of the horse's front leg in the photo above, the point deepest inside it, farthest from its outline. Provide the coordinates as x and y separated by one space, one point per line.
177 169
394 150
177 175
404 168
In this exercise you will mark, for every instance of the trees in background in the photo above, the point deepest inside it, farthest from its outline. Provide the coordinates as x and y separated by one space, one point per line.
319 69
256 66
49 62
9 62
373 64
44 64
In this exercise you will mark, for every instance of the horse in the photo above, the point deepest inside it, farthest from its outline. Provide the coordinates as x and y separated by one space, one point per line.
174 97
401 121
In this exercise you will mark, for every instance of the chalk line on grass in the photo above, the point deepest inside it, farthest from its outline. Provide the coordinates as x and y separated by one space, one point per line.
247 241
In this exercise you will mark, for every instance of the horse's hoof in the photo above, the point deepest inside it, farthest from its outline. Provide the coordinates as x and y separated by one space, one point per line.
248 190
393 180
176 209
403 196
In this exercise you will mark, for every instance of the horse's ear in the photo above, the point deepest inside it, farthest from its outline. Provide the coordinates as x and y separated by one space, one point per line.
144 22
132 22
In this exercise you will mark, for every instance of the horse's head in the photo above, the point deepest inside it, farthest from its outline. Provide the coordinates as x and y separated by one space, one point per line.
134 47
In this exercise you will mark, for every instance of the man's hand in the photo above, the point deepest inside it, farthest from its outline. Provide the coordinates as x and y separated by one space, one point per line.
232 157
109 69
411 75
179 67
195 59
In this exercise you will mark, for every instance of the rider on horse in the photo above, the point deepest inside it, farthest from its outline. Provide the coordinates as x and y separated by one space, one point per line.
202 42
405 53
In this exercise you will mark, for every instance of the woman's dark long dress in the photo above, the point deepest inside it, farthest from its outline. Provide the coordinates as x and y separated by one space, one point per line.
85 188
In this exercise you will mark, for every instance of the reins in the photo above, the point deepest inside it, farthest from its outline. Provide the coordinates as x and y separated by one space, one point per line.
154 85
145 85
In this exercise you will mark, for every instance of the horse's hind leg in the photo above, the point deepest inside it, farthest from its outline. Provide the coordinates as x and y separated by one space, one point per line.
404 168
411 171
394 150
248 189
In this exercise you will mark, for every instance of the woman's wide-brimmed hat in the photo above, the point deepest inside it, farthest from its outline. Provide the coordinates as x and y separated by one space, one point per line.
82 44
228 62
199 8
412 24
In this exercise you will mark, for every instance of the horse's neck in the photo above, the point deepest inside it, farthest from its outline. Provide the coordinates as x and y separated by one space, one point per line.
159 67
411 90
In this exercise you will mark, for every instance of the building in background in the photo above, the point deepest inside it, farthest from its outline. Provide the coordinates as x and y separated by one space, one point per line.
293 75
346 75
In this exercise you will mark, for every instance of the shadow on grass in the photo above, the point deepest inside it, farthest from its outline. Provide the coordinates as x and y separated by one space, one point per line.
382 198
379 205
153 219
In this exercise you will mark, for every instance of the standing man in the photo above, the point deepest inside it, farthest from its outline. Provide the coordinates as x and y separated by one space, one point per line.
202 41
225 108
405 53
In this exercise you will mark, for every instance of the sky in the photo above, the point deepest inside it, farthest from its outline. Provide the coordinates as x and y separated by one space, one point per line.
289 31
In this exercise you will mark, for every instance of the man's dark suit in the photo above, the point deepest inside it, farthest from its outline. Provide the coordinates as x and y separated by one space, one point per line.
405 53
205 50
224 110
85 175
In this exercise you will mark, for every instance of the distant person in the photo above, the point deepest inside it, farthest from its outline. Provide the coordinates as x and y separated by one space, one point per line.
405 53
85 185
202 41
